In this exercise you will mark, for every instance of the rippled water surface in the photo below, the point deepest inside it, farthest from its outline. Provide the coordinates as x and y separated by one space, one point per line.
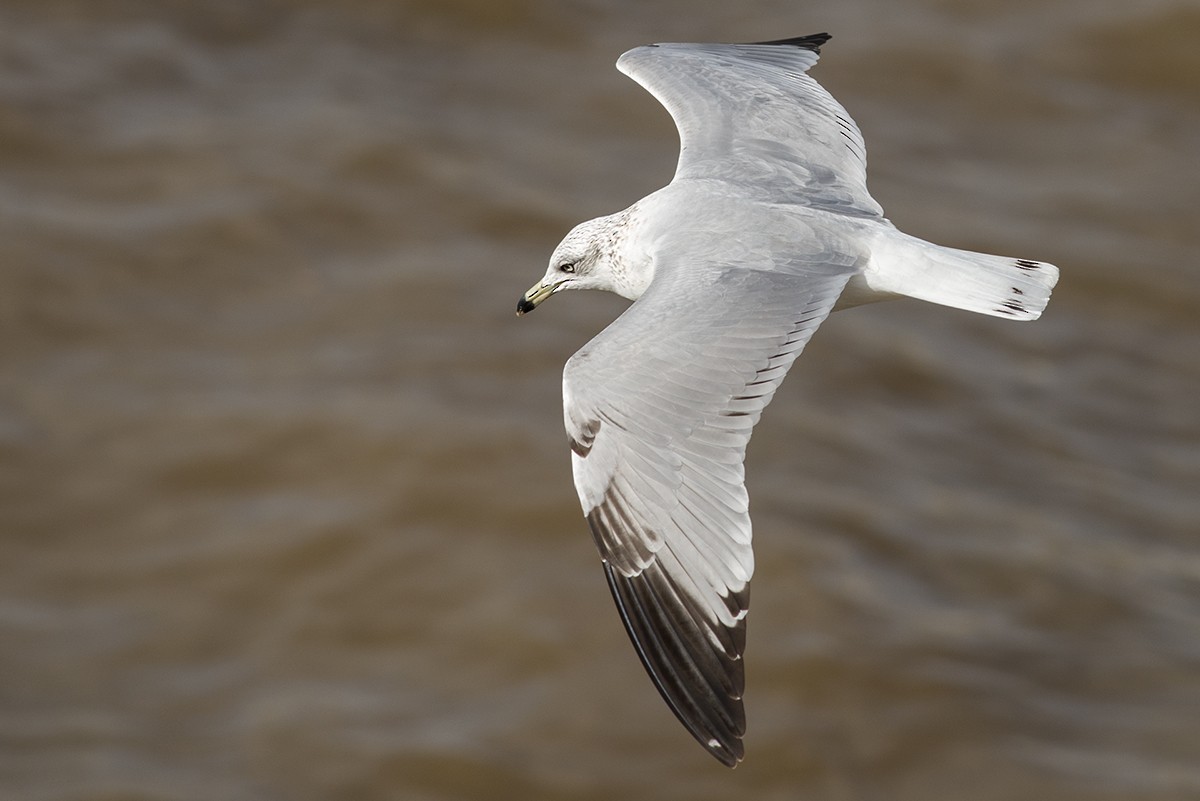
285 505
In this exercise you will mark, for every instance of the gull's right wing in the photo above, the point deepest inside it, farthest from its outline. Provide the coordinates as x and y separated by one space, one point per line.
750 115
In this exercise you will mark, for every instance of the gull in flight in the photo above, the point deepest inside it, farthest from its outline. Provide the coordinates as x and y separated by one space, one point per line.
765 229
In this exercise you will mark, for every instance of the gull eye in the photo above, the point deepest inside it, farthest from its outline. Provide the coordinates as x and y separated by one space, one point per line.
569 267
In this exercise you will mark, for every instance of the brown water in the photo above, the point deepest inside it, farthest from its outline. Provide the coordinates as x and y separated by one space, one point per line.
285 506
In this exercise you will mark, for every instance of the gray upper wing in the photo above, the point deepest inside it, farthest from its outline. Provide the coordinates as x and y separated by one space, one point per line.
659 408
748 114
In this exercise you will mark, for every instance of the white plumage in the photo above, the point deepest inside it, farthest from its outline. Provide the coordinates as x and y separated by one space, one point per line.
766 228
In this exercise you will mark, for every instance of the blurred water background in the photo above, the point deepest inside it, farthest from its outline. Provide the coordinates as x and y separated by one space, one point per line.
285 504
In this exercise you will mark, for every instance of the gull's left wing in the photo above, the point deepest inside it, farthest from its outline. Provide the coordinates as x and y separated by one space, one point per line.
659 408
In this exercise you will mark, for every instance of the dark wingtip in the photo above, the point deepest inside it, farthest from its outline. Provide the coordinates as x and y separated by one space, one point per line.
717 724
811 42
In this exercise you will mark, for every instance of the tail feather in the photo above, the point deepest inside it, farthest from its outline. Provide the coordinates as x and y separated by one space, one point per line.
998 285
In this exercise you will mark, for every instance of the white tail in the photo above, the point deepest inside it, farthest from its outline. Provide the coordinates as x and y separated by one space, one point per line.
999 285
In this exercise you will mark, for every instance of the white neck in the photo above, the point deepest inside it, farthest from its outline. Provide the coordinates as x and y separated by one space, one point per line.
630 266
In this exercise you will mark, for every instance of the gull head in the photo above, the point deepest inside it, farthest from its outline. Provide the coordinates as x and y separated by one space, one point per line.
591 256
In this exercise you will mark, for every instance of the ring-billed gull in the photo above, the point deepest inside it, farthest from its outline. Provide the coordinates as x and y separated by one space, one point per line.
765 229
